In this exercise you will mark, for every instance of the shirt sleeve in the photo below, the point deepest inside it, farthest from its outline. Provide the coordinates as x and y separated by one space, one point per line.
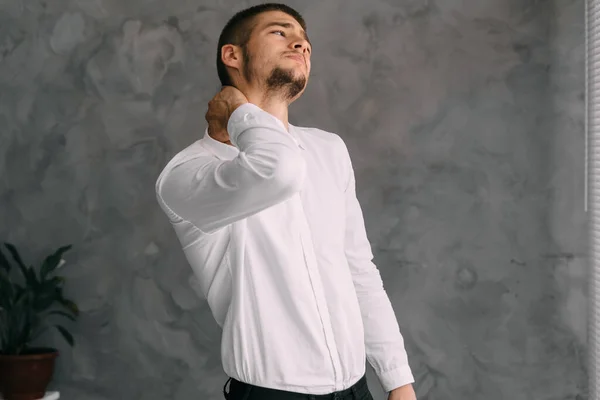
213 193
383 341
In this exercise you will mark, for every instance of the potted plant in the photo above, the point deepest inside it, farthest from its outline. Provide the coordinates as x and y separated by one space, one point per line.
30 300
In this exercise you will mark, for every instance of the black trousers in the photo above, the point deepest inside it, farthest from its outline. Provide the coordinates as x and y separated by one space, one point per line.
243 391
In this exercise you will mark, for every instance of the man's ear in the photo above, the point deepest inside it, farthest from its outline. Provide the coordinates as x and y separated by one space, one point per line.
231 55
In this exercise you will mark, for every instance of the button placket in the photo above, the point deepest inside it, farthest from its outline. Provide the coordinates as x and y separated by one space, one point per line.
318 292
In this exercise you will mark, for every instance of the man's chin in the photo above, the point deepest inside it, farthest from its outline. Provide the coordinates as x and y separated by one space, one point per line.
298 70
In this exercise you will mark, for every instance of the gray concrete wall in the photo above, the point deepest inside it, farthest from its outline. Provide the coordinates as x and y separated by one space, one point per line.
465 123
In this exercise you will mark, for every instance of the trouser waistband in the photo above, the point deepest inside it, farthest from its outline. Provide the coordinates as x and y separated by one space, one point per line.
242 390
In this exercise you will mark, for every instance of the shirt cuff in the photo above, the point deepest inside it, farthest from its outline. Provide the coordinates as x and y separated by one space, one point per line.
395 378
249 114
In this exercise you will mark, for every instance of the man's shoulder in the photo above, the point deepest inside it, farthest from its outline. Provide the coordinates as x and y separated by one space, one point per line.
318 132
194 150
321 137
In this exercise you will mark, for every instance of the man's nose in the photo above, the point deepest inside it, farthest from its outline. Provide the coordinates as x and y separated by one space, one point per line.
301 44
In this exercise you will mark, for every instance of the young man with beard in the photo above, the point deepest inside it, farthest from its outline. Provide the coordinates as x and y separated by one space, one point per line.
268 218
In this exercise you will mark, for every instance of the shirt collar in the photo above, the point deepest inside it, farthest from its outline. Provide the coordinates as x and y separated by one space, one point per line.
228 152
294 132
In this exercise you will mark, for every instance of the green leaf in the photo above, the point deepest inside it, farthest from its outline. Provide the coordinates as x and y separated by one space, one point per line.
31 278
64 314
52 261
47 293
53 285
5 277
26 329
44 301
3 330
19 291
68 337
69 305
4 262
15 255
57 280
20 323
27 272
21 297
6 292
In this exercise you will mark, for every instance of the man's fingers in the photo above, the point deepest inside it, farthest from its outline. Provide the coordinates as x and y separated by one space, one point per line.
217 115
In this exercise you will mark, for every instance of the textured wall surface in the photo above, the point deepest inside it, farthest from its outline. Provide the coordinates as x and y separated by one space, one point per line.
465 121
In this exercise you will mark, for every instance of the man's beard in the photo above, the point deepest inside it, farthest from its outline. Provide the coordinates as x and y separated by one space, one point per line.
281 82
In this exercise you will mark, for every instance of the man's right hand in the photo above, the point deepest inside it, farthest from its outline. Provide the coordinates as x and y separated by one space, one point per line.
220 109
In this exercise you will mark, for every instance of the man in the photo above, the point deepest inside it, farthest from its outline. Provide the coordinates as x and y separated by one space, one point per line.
268 218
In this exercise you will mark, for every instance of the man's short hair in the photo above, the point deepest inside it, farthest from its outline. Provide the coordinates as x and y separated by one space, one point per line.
239 28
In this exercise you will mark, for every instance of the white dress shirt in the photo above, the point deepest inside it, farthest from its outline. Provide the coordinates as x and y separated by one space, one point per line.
275 235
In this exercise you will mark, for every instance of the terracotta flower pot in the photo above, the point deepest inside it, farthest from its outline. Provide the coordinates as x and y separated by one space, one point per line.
26 376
